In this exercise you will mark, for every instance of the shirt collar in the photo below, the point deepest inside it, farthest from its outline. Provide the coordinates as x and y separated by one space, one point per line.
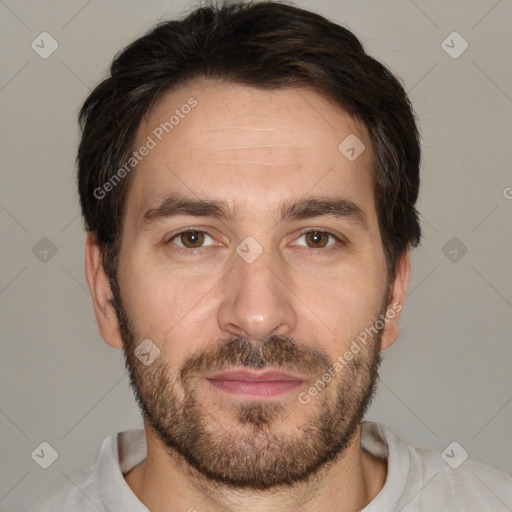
121 452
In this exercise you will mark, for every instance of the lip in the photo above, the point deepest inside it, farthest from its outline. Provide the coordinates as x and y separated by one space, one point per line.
255 384
256 376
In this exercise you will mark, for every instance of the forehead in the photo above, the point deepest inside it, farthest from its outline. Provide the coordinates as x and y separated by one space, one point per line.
248 147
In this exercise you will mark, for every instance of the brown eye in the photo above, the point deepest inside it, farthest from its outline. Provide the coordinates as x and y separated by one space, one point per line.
192 239
317 239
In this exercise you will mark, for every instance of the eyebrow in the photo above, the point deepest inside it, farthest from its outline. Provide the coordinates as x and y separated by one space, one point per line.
176 205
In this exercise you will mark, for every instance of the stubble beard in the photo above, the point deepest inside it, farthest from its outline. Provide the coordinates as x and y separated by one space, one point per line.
251 451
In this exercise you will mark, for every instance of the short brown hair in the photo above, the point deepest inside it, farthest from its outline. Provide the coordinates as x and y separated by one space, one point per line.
268 45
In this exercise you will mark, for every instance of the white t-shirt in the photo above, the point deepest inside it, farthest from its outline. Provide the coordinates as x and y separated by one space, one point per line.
418 479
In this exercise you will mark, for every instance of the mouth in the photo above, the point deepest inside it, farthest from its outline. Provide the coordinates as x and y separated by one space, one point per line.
255 383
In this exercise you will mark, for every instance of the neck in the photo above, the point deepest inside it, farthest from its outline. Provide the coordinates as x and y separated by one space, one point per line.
165 482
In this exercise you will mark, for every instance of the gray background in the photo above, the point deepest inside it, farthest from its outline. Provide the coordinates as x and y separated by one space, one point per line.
448 376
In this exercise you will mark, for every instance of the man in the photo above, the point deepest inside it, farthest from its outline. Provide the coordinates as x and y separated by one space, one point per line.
248 177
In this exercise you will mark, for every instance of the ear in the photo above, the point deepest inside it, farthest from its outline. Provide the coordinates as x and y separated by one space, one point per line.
396 301
101 293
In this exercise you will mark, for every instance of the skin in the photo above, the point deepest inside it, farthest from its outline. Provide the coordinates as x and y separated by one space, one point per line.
255 149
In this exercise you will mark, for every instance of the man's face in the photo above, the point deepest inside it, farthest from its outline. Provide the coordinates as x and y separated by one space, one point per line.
292 297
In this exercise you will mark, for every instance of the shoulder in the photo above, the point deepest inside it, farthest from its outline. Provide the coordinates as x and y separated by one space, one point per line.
78 493
100 487
423 479
453 479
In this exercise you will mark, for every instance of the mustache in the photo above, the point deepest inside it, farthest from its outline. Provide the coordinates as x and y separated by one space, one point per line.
276 352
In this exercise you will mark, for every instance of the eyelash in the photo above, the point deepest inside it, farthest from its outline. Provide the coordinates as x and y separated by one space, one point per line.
185 250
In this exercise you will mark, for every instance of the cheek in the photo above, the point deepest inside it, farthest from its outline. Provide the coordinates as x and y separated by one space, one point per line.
169 308
346 303
147 298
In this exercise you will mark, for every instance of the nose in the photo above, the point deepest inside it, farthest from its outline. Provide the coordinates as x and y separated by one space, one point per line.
257 300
